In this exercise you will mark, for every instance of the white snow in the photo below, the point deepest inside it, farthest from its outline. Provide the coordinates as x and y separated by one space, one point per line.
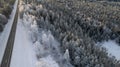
47 62
112 48
23 53
5 34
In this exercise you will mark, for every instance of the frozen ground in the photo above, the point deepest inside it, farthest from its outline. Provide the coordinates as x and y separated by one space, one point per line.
112 48
5 34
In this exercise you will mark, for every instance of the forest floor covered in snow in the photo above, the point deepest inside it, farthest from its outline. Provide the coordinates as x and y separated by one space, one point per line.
112 48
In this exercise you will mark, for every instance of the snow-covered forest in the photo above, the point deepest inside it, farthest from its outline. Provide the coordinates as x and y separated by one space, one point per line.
67 33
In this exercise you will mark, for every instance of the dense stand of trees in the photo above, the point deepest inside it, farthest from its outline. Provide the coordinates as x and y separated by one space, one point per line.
78 26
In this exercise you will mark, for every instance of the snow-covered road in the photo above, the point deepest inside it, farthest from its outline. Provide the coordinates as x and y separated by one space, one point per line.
5 34
23 54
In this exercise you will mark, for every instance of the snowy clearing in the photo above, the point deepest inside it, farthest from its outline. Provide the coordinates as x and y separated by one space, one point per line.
112 48
5 34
